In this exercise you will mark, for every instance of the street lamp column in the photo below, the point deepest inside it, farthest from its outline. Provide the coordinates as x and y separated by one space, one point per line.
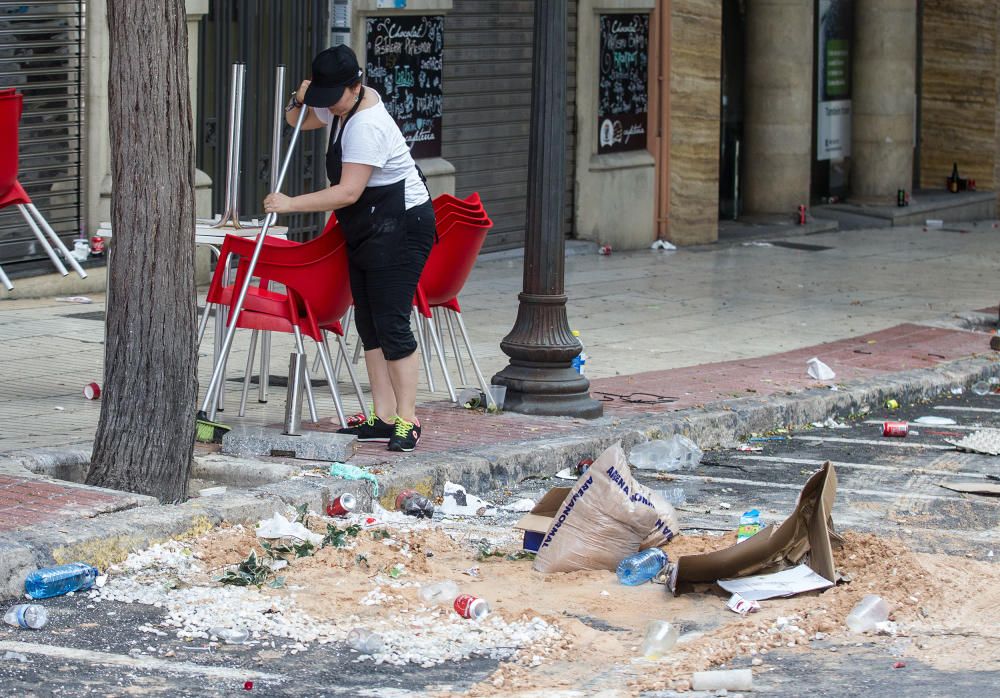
540 378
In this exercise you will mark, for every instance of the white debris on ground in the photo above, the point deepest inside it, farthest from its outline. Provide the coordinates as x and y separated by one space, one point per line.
986 441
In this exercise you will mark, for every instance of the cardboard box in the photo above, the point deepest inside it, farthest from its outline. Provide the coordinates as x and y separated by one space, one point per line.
536 523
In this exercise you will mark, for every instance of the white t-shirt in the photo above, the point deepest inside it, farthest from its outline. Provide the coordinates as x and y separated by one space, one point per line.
373 138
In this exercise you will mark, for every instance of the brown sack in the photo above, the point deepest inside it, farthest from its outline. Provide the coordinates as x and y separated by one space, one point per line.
605 517
807 531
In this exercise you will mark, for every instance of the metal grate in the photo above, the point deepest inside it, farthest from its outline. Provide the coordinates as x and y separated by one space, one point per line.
41 54
262 34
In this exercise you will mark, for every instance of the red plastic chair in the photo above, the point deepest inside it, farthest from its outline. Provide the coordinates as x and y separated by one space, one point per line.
13 194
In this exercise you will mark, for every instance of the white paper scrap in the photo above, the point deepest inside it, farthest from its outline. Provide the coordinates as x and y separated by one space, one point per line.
819 370
768 586
458 502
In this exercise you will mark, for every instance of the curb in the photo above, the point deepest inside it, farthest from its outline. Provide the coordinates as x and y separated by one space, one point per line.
110 537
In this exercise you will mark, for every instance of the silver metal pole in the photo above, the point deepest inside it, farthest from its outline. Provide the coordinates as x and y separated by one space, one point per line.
265 368
236 92
248 372
454 344
56 240
293 403
310 398
238 308
441 360
41 238
279 122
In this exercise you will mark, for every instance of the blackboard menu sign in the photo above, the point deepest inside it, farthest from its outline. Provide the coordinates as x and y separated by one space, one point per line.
622 93
403 63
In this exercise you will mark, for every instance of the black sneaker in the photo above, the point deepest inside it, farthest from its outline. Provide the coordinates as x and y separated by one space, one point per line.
405 436
372 429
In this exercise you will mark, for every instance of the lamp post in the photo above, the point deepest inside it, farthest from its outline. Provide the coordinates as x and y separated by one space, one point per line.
540 378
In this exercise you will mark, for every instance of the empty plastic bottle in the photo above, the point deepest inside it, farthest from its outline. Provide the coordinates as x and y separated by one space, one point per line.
231 636
365 641
661 636
439 592
56 581
27 615
641 567
580 360
981 388
666 455
868 612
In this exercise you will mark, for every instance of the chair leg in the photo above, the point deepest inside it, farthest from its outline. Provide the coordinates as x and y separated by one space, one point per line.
454 344
441 360
203 323
301 348
248 371
5 281
342 350
221 316
60 267
490 402
357 351
424 349
328 369
352 373
55 239
318 361
265 368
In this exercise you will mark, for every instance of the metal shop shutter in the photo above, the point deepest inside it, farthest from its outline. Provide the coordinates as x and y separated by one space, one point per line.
487 103
41 54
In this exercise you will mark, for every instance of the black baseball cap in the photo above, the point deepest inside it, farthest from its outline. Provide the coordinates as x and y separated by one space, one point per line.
333 69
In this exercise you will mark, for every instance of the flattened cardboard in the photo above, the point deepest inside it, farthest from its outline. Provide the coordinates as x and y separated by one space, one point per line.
536 522
972 487
808 530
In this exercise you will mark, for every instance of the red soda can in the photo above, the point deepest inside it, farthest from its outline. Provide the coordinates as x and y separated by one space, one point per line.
469 606
342 505
604 250
899 429
802 214
97 245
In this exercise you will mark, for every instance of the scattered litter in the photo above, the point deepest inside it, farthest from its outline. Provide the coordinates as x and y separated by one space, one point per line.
934 223
638 568
59 408
458 502
472 572
521 505
747 448
895 429
750 523
365 641
212 491
248 685
738 604
15 656
661 637
986 441
27 615
92 391
662 245
439 592
796 580
887 627
899 665
342 505
566 474
353 472
732 680
63 579
931 420
676 453
725 505
867 614
972 487
831 423
892 404
957 390
280 527
231 636
583 465
757 243
472 607
604 250
412 503
83 300
762 439
819 370
981 388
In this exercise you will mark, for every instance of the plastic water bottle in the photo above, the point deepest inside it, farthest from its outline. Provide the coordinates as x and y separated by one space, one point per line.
56 581
27 615
641 567
365 641
580 360
439 592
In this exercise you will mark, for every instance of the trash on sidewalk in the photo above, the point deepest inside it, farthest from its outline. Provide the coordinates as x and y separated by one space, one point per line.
663 245
987 488
981 388
412 503
957 390
638 568
676 453
365 641
985 441
472 607
520 505
92 391
15 656
27 615
279 527
602 519
738 604
831 423
604 250
212 491
892 404
933 421
342 505
819 370
82 300
56 581
867 613
458 502
751 523
583 465
661 637
757 243
895 429
231 636
808 529
439 592
747 448
731 680
790 582
353 472
934 223
566 474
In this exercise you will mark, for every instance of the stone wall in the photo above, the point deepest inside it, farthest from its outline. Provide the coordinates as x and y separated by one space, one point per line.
959 92
695 83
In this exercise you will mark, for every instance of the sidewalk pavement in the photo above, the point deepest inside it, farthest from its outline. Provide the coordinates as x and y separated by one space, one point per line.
723 331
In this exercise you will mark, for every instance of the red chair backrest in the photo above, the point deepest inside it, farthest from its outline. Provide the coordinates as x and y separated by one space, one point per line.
451 260
10 116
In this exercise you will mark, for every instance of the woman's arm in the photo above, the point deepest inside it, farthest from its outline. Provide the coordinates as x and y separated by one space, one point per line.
353 181
292 115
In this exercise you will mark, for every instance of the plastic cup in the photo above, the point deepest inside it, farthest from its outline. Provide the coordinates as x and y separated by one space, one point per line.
661 636
867 613
499 394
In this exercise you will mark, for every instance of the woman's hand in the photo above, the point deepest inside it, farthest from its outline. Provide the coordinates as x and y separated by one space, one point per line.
278 202
301 94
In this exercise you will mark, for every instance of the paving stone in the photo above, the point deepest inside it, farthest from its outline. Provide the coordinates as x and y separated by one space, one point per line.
311 445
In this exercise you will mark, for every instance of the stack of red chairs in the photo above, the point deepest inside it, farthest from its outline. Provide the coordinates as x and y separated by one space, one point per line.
13 194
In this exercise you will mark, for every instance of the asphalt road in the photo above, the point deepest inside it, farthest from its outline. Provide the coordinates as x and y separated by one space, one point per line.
885 486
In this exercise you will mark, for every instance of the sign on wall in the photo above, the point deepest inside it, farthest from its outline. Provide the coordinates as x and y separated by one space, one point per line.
622 90
403 63
833 112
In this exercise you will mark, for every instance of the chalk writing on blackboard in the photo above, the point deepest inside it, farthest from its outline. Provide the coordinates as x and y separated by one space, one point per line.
403 63
622 92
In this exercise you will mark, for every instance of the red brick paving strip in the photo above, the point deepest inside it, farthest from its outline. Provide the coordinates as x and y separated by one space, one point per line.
26 502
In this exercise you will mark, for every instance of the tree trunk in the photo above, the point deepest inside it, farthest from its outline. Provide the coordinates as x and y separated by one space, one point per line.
145 438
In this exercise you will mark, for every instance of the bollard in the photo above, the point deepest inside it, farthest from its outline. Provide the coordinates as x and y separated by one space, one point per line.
293 401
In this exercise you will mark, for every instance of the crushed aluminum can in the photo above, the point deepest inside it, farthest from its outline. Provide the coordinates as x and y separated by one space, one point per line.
604 250
342 505
737 604
469 606
896 429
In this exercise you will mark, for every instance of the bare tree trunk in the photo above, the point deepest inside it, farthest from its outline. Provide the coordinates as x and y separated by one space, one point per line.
145 438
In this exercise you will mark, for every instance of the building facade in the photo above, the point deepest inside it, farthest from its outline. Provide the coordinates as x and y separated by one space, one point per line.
680 113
